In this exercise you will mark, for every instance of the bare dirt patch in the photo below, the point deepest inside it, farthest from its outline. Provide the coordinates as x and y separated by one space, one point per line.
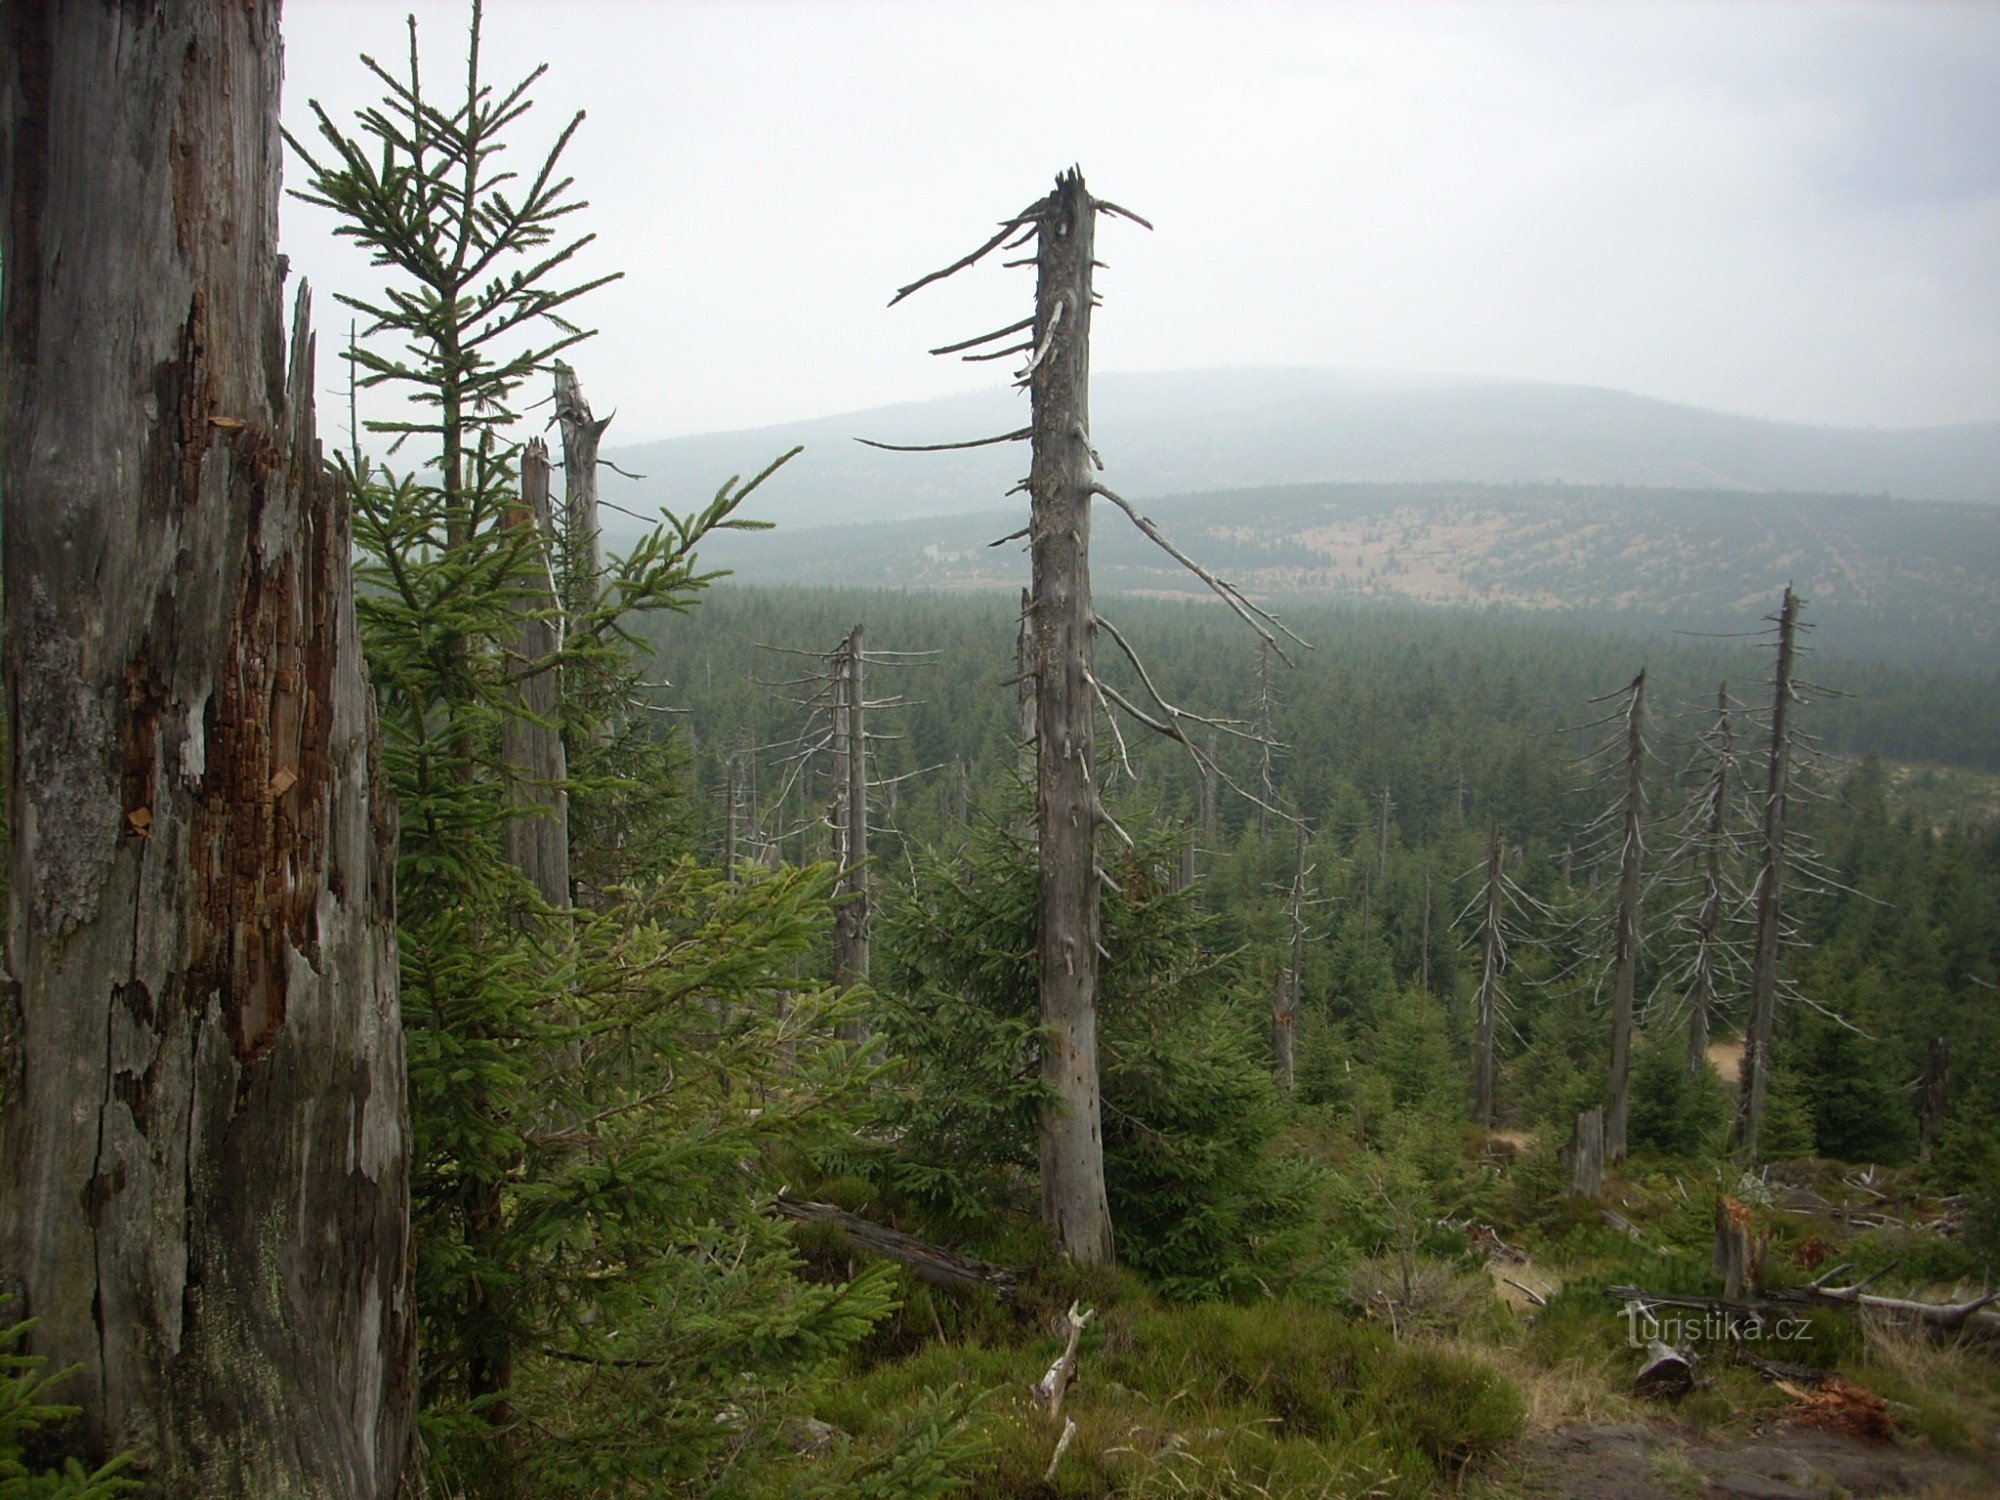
1597 1461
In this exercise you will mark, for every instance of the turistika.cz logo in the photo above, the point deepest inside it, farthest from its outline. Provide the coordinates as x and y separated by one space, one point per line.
1646 1325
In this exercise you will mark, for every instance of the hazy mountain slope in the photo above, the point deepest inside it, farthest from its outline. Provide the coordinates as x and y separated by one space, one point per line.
1203 430
1904 580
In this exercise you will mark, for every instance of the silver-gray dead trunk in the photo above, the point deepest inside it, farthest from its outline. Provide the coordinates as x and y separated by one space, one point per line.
1625 935
1703 991
204 1198
850 820
1074 1205
583 551
1285 1010
536 839
1492 955
1769 894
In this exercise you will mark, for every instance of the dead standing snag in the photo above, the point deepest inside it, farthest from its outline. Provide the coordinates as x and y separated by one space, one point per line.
1067 689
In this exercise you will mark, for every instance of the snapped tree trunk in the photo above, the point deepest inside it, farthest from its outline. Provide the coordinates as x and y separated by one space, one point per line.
204 1156
1074 1205
1586 1154
1734 1260
535 839
582 545
1625 939
1756 1069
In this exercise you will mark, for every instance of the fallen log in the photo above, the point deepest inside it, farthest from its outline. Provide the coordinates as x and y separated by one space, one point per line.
1949 1317
932 1263
1668 1373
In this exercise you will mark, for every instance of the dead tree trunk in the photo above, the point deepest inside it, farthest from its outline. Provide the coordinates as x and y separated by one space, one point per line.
1382 842
1625 937
1586 1154
1703 990
1734 1260
1492 955
535 839
1209 819
1424 949
1067 812
1933 1093
1756 1074
1266 743
204 1152
729 798
850 821
582 545
1284 1014
1024 680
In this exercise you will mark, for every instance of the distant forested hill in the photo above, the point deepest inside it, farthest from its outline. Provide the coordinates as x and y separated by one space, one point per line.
1200 430
1896 580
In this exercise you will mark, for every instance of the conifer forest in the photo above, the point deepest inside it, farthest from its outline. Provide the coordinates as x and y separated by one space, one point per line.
495 1008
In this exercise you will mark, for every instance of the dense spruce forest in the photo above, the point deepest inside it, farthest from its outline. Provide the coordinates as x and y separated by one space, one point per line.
491 1014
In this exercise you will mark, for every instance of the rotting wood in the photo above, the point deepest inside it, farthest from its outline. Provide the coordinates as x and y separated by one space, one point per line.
931 1263
204 1170
1735 1258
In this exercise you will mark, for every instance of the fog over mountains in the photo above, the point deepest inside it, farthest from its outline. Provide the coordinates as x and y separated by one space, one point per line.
1315 485
1184 432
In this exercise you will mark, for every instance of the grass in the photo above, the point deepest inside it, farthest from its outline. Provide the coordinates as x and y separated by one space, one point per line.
1296 1395
1277 1397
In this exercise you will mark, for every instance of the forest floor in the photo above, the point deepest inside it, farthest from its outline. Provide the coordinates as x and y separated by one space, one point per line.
1607 1461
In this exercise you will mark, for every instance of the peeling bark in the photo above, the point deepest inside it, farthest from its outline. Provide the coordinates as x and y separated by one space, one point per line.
204 1182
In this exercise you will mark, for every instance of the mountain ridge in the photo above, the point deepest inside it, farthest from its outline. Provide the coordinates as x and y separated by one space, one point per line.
1181 432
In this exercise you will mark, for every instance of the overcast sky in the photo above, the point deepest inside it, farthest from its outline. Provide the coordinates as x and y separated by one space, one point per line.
1787 211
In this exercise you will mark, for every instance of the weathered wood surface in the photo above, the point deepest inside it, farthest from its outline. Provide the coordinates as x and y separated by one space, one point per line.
1074 1205
932 1263
535 840
1585 1154
1735 1258
582 533
204 1170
